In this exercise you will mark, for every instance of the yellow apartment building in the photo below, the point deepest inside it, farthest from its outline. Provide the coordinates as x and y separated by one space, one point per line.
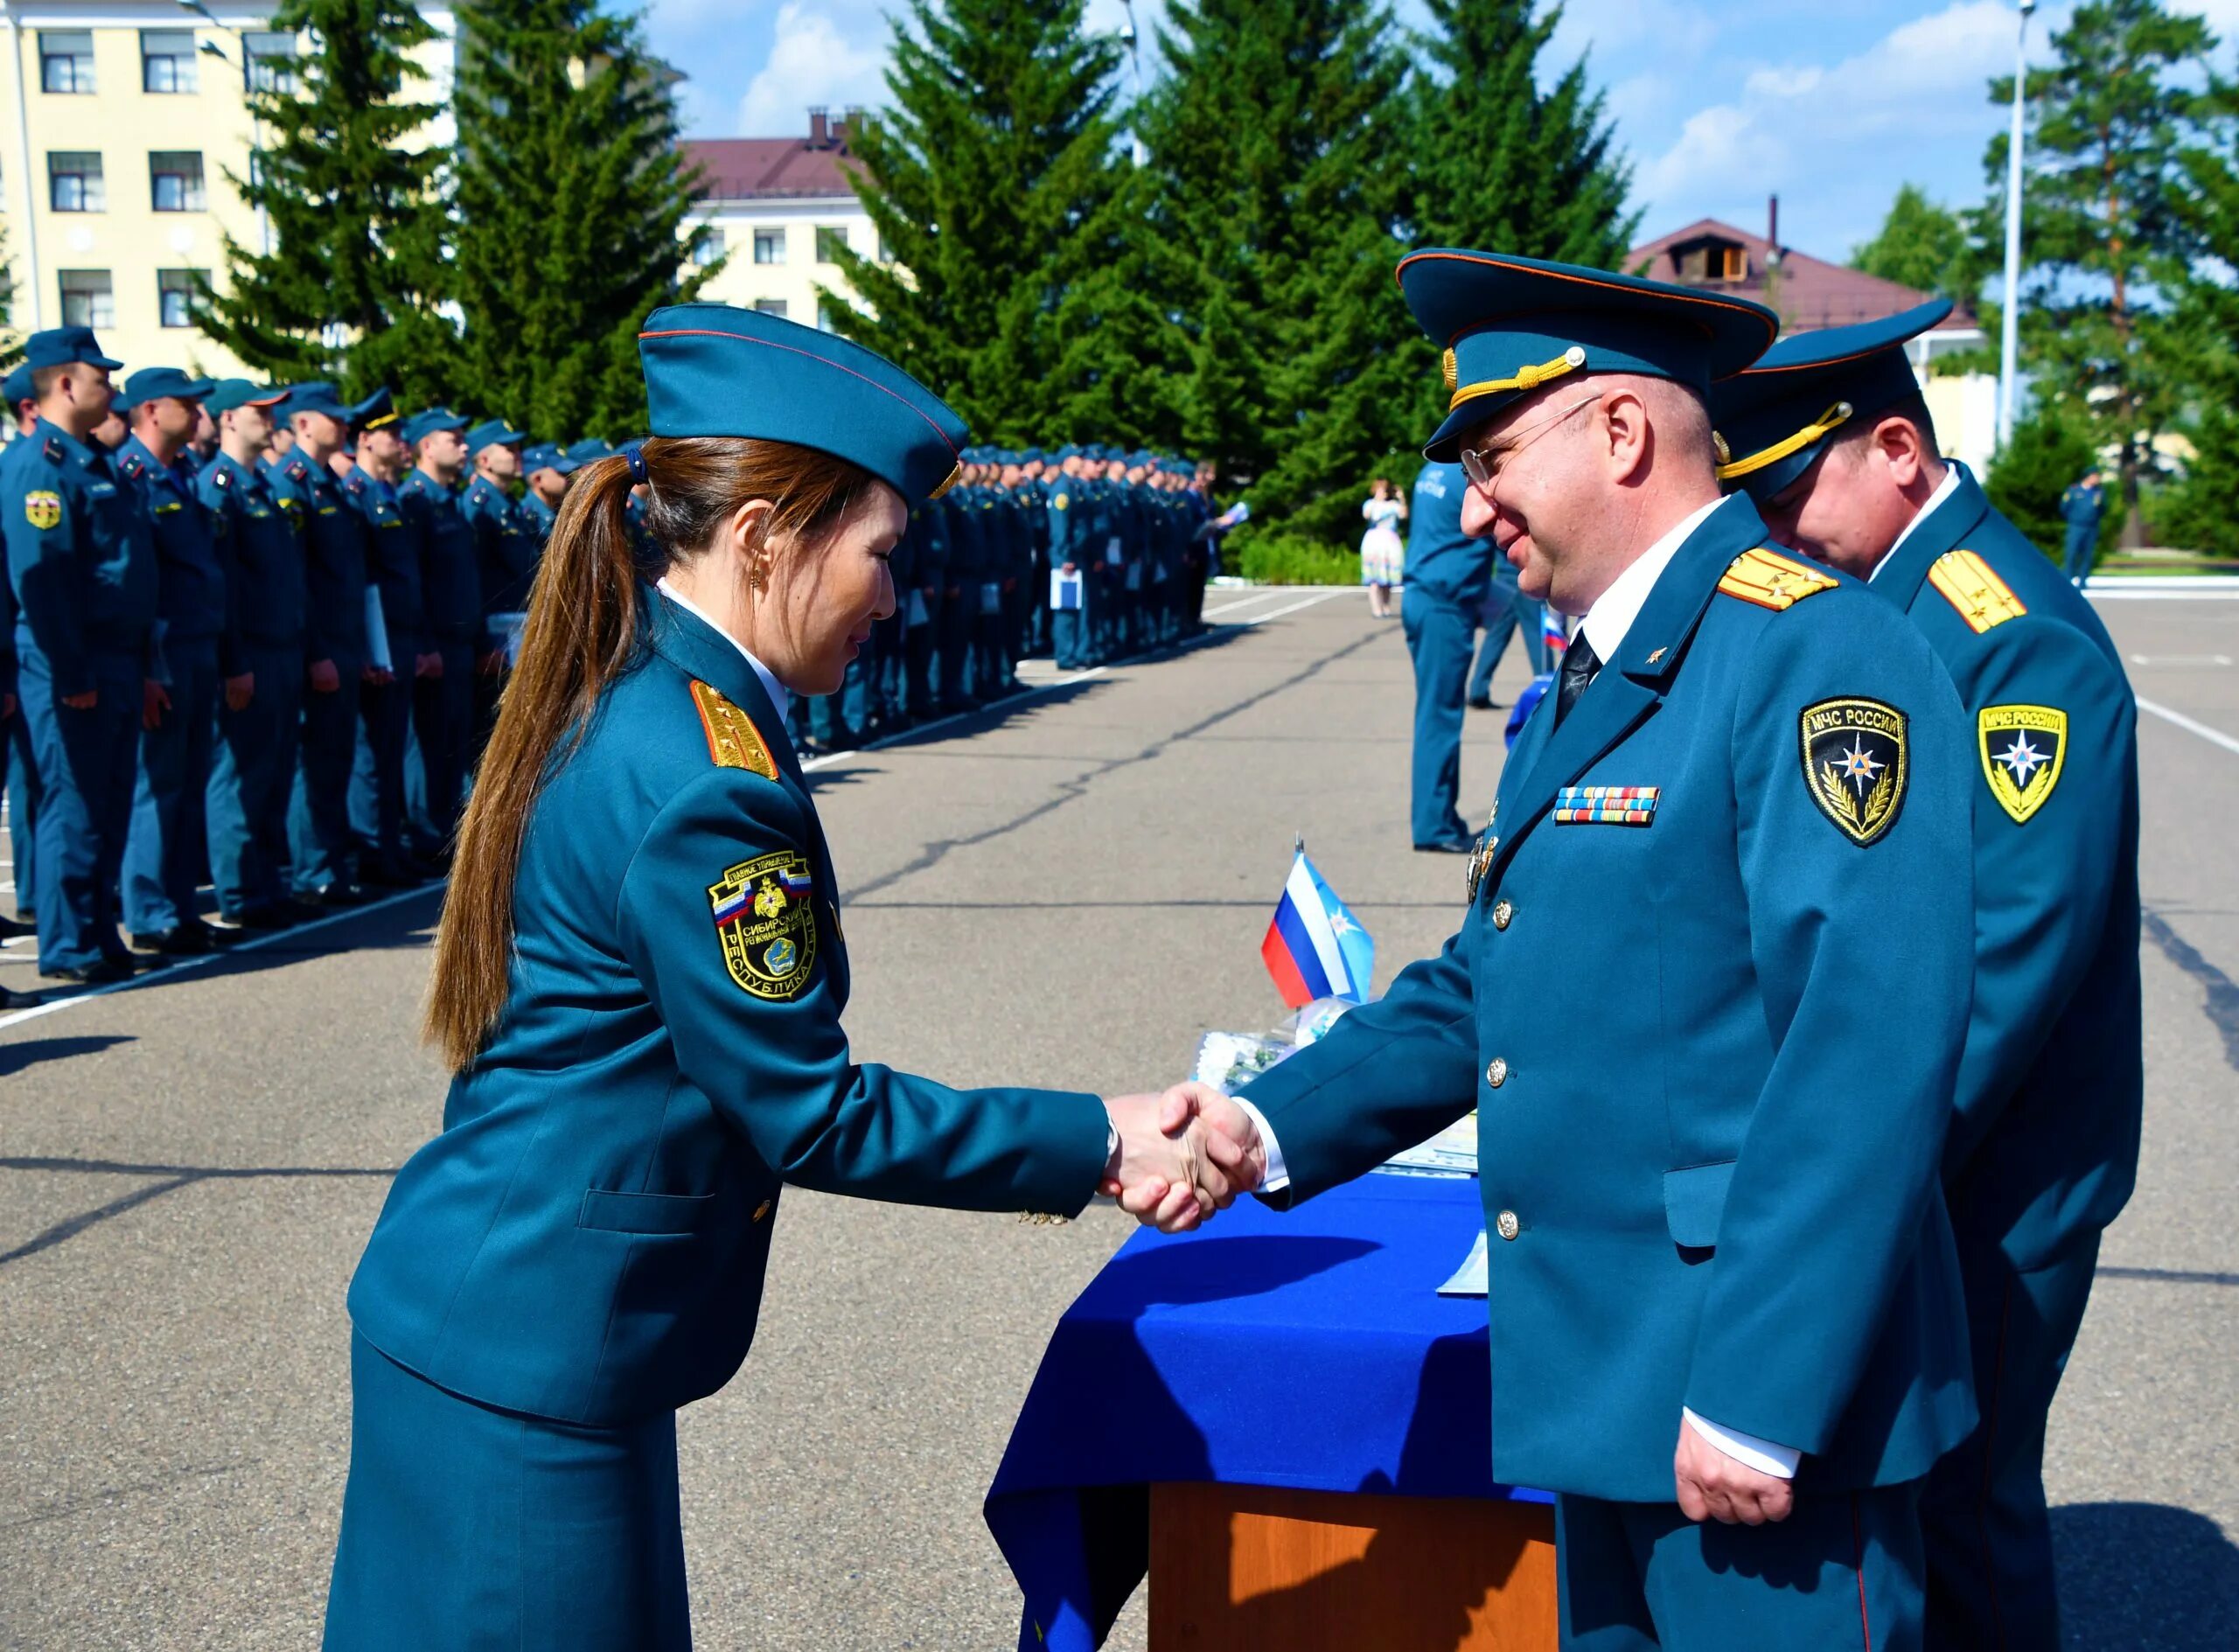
120 121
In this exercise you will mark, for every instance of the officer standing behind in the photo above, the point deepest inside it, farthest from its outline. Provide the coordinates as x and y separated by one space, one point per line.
83 567
18 771
547 468
504 553
1447 575
451 585
1832 436
1728 871
340 664
1507 611
1069 629
2082 506
377 789
259 664
166 853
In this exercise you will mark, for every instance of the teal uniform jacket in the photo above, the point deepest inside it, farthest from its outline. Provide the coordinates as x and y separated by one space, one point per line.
451 578
506 550
585 1241
1711 1038
81 557
264 559
2045 1133
335 563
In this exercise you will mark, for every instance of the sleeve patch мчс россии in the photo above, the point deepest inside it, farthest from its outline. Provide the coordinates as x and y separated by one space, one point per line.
1855 764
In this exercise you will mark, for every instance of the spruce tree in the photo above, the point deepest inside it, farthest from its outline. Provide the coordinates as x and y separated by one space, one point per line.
350 289
1499 164
571 193
1278 139
991 180
2196 511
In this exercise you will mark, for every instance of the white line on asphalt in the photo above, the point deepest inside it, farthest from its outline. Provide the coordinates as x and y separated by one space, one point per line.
2180 659
2215 737
187 966
1271 592
1261 619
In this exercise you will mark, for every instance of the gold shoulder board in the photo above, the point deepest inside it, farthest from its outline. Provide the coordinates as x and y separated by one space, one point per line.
1983 599
733 741
1772 581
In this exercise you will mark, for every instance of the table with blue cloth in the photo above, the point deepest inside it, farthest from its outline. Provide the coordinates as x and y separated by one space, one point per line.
1265 1359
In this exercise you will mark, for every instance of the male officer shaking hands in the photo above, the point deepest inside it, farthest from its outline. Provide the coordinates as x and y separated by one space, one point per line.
1831 435
1708 998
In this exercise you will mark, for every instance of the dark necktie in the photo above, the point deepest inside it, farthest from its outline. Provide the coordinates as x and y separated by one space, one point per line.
1580 662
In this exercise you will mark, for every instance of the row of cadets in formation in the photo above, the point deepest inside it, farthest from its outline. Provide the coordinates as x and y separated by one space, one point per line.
252 635
1084 554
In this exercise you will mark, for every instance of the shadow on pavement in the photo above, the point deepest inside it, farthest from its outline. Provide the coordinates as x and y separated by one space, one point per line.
174 1177
15 1057
2144 1577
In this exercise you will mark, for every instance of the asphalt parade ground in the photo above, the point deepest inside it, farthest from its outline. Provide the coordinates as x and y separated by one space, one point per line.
1067 889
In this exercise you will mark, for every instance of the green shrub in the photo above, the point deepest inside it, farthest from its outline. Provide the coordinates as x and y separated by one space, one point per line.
2194 513
2049 452
1273 557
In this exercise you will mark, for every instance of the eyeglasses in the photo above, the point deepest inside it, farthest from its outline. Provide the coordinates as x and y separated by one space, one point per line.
1483 471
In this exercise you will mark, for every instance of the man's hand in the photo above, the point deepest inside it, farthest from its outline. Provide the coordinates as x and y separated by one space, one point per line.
1228 1136
85 702
427 665
1713 1486
324 678
379 676
240 691
154 702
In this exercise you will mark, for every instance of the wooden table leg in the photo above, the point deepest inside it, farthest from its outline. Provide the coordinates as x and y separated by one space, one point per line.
1252 1569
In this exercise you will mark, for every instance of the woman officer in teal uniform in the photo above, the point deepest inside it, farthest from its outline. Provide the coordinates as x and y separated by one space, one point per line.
638 984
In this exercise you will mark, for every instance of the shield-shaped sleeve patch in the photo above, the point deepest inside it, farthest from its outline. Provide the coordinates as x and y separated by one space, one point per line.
765 922
2022 748
1855 765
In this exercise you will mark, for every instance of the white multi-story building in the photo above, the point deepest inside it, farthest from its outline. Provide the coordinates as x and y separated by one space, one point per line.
777 207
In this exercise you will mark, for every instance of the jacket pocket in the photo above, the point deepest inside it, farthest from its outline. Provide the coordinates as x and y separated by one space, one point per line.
1694 1200
644 1212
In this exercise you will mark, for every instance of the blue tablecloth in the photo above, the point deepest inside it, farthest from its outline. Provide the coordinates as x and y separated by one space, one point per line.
1307 1349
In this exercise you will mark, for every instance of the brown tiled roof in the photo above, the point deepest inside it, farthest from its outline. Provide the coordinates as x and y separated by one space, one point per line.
1811 292
742 169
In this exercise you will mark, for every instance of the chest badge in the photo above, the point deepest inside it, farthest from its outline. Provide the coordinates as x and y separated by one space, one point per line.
1480 858
2023 747
1855 764
766 922
1606 805
43 509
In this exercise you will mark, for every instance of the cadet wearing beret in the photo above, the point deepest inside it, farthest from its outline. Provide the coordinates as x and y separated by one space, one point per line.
165 853
640 983
338 655
1831 435
259 662
401 652
1727 873
82 565
451 590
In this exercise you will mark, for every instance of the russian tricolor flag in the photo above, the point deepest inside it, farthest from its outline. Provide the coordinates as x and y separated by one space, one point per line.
1551 632
1315 948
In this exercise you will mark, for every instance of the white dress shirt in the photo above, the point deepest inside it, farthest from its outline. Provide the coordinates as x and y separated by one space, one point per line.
780 696
1943 491
1608 619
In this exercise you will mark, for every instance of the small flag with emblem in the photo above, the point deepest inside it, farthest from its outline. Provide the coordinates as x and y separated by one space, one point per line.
1552 634
1315 948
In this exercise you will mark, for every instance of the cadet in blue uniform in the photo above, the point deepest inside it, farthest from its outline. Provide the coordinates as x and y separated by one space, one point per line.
640 983
504 552
451 590
546 469
18 774
166 853
338 658
2082 506
1447 576
402 652
1831 435
1707 997
259 664
82 564
1069 556
1508 611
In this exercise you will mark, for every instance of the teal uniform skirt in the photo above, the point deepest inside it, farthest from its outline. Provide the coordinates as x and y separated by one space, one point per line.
464 1527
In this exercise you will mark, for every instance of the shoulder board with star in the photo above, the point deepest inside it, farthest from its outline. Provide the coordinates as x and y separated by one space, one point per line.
1966 583
134 467
1772 581
298 471
354 484
733 741
222 477
53 451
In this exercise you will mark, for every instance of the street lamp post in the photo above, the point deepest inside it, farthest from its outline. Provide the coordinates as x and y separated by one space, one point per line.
2009 353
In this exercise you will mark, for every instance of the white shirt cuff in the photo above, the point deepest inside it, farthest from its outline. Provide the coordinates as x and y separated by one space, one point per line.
1279 1176
1761 1455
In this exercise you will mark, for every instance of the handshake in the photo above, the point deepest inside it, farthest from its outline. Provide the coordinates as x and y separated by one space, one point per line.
1182 1156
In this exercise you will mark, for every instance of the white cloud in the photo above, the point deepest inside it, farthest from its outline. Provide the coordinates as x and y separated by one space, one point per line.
816 59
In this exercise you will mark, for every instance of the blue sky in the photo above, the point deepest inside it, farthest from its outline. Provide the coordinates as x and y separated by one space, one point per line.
1830 104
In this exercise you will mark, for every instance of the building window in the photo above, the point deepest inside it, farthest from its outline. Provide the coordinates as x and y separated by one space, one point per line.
1713 260
167 60
175 180
831 241
66 60
271 63
772 307
708 248
74 182
87 299
769 246
175 290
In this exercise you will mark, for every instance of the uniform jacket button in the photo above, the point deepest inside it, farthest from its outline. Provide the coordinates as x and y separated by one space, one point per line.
1502 911
1496 1072
1506 1225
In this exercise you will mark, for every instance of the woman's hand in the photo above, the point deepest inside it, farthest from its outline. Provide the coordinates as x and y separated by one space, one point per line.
1182 1156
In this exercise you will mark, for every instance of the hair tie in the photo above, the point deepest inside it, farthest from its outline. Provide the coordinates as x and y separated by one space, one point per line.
637 457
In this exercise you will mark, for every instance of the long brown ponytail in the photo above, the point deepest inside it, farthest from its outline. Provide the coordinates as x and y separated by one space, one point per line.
585 625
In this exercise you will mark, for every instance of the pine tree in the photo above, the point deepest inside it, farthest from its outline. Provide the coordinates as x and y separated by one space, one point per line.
991 181
1278 140
1500 164
2109 118
351 288
2196 511
571 193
